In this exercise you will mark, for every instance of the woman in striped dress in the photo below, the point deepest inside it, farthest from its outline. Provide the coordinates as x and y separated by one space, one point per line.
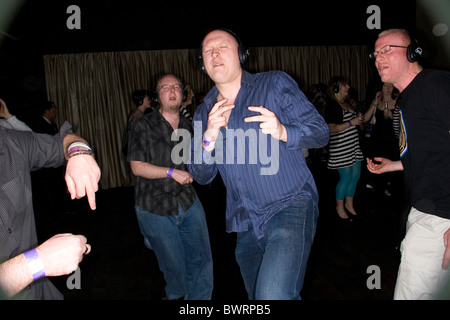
345 153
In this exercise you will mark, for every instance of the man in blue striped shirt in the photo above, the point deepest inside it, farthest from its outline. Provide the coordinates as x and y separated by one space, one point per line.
252 128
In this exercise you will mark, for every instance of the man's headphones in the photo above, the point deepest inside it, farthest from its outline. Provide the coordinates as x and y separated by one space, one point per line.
414 51
243 51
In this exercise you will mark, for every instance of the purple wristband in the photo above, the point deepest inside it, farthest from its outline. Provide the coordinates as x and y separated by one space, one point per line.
169 172
35 264
350 123
208 143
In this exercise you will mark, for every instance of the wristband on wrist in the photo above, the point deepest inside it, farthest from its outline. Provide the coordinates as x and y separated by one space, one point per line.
169 172
78 144
78 148
78 151
35 264
350 123
208 143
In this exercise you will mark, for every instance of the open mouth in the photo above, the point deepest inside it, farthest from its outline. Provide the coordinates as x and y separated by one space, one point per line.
382 67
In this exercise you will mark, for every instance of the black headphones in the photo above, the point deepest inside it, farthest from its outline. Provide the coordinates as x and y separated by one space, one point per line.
414 51
336 87
243 51
138 97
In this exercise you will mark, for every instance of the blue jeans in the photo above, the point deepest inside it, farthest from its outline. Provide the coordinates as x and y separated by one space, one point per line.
182 247
273 267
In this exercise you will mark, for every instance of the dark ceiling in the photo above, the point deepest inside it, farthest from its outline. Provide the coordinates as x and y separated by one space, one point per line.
145 25
40 28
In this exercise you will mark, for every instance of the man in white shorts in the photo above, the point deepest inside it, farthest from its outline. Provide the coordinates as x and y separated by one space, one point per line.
424 151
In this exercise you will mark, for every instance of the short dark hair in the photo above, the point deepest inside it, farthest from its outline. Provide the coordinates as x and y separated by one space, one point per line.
138 96
46 105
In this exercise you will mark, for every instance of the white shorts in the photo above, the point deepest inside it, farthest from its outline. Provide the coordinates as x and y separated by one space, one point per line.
420 275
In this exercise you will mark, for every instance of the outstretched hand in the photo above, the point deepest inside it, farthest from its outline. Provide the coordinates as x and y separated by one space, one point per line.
383 165
269 123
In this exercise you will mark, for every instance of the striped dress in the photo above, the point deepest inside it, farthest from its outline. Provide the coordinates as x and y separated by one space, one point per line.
344 148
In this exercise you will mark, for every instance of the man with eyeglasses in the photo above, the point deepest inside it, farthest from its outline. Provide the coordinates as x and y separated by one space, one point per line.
170 215
425 150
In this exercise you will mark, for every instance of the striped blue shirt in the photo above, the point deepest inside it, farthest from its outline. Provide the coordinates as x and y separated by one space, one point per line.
262 175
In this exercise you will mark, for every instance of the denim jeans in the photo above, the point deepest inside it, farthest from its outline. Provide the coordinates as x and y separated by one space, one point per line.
182 247
273 267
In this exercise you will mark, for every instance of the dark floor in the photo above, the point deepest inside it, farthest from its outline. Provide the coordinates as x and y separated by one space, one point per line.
120 267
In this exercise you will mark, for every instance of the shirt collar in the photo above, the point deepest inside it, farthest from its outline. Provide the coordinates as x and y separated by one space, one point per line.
246 79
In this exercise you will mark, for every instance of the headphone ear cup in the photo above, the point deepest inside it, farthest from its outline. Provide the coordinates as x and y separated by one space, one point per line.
243 54
336 88
200 63
185 94
155 97
414 52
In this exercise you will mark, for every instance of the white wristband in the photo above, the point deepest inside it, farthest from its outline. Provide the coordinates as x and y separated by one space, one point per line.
35 264
208 143
78 144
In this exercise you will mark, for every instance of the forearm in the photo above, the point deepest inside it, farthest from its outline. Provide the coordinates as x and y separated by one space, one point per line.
369 113
397 165
314 134
338 127
203 167
15 275
148 171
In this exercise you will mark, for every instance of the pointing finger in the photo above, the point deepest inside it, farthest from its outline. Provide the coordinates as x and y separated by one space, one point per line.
261 110
217 105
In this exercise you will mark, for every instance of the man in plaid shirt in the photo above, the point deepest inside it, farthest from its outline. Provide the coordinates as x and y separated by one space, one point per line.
169 213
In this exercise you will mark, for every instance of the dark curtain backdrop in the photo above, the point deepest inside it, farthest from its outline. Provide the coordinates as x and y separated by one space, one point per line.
93 90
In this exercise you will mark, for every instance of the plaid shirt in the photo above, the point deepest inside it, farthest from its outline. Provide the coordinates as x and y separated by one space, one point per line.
150 141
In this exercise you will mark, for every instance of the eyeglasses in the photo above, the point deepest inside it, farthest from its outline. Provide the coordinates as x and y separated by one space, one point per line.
168 87
384 50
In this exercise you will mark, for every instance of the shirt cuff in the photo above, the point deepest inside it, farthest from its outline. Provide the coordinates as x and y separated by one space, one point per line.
293 137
